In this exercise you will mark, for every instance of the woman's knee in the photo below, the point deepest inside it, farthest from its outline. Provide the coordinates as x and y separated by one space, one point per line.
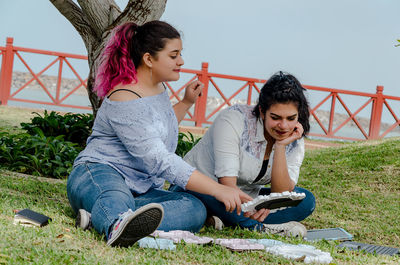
75 179
92 182
198 211
194 204
185 212
308 203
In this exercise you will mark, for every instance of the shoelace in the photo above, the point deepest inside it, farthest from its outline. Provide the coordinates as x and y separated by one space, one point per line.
121 216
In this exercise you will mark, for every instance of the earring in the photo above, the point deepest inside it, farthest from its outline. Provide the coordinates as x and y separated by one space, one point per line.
151 74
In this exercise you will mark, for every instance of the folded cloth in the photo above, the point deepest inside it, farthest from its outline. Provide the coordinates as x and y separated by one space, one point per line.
266 242
179 235
301 252
238 244
157 243
306 253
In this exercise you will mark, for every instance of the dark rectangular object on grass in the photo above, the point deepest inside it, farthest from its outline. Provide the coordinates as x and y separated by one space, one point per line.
369 248
328 234
29 217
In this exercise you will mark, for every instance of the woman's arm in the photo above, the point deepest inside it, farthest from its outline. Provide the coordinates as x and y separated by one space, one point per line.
228 181
260 215
192 92
232 198
280 178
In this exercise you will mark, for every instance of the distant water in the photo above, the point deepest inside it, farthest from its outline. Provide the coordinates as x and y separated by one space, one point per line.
82 100
40 95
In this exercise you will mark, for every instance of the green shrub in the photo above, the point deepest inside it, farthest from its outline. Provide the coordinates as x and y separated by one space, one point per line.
52 143
75 128
37 155
185 143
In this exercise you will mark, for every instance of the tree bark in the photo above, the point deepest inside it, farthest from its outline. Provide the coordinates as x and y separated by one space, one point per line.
94 21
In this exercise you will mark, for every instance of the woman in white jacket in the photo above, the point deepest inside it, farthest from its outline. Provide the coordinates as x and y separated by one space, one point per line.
248 147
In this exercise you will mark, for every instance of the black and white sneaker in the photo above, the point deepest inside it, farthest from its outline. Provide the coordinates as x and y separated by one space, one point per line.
132 226
292 228
214 221
83 219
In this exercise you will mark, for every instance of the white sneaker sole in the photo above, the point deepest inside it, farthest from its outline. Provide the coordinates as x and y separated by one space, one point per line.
215 222
83 219
141 223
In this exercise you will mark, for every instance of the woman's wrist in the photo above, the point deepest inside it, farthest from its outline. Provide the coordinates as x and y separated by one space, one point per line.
279 145
215 189
186 103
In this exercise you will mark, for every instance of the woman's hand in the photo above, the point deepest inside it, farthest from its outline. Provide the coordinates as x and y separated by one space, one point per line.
295 135
232 198
192 92
260 215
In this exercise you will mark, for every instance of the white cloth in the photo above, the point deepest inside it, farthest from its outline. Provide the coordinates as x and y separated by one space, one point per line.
235 145
307 253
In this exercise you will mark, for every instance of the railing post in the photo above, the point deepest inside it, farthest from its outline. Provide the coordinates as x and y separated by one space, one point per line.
376 115
6 71
201 104
332 114
249 93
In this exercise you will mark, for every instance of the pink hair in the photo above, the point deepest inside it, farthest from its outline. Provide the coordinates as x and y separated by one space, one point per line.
116 65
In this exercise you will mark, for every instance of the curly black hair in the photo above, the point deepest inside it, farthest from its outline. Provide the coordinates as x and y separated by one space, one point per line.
284 88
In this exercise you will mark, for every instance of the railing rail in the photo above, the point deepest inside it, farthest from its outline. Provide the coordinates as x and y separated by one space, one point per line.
201 114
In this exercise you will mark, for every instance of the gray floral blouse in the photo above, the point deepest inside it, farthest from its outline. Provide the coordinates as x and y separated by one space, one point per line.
138 138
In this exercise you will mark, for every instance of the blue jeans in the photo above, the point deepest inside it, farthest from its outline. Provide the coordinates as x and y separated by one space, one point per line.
217 208
101 190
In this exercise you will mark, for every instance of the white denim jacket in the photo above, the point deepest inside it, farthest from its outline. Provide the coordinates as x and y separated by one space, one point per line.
235 145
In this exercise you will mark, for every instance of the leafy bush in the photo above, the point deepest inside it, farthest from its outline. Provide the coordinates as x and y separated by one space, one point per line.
75 128
185 143
37 155
52 143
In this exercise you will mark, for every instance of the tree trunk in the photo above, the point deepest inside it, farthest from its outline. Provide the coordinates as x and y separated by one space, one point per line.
94 21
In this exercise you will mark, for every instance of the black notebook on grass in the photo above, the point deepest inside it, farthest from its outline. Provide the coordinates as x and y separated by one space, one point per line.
28 217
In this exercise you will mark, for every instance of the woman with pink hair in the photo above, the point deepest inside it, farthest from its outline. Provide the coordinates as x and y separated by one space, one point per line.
117 181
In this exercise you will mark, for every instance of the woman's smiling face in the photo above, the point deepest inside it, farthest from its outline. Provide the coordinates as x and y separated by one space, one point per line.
167 63
280 120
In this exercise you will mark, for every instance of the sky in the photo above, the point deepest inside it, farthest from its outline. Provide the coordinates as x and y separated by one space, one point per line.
343 44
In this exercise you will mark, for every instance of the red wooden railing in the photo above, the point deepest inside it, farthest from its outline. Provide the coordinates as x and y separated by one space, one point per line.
10 52
200 115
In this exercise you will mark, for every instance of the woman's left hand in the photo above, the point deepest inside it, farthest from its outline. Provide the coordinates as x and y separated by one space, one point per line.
295 135
192 92
259 216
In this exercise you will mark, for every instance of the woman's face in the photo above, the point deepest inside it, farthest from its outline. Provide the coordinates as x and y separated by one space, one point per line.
166 65
280 120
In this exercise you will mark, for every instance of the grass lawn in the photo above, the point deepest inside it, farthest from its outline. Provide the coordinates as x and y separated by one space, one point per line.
357 187
11 117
